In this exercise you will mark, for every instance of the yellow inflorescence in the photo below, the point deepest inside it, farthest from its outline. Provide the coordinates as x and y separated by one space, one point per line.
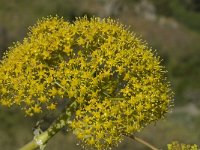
116 80
180 146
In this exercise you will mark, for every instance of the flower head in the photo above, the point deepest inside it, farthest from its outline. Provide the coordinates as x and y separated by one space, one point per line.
180 146
116 80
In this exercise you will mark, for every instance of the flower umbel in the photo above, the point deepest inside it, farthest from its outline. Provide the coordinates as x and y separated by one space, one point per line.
115 79
180 146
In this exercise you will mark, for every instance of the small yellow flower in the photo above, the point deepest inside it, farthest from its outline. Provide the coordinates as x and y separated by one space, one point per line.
42 99
51 106
36 109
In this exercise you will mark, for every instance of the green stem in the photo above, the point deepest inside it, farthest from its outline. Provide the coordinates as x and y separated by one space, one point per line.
40 140
139 140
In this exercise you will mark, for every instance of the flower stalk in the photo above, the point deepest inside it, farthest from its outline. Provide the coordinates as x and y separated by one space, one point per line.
139 140
40 140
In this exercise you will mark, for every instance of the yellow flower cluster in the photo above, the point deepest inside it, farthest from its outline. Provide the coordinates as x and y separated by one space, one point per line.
116 80
180 146
30 70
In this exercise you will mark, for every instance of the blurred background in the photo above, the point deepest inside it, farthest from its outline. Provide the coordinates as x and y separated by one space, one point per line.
172 27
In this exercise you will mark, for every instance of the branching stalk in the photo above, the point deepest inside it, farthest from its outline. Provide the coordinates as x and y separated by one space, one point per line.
139 140
40 140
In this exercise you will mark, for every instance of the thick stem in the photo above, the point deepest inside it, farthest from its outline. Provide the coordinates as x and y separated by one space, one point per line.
41 139
139 140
